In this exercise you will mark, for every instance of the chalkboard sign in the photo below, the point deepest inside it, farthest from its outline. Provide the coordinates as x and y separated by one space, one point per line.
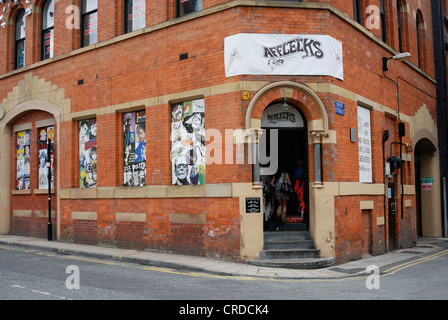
252 205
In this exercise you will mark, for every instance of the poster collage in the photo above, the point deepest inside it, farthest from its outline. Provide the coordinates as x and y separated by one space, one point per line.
134 149
188 143
24 158
87 153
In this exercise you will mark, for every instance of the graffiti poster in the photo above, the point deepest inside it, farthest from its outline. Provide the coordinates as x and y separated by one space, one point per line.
45 135
188 143
134 149
87 154
23 160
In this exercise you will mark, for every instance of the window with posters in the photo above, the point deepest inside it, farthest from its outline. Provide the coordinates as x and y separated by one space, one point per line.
23 160
89 22
87 154
188 143
44 135
134 128
47 30
184 7
135 15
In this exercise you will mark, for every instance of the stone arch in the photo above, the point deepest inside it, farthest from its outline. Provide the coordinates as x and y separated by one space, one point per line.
31 94
299 94
426 157
307 101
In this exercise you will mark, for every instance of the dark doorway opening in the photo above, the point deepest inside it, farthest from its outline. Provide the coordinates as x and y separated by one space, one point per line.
292 158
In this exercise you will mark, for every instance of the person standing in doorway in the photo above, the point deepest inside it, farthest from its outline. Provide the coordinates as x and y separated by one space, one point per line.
282 196
299 186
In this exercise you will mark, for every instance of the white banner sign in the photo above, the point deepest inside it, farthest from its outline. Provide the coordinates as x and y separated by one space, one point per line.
283 54
365 145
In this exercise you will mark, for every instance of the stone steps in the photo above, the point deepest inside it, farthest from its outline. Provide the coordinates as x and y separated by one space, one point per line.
293 249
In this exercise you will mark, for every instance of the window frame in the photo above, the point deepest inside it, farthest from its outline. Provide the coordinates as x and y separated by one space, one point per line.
420 35
132 121
84 15
127 11
20 40
357 11
44 30
399 26
383 21
181 14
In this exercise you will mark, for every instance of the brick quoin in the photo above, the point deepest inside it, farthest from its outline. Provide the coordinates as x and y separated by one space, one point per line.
143 71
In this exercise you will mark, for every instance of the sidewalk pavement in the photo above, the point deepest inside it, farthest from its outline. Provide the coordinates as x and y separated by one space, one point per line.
424 247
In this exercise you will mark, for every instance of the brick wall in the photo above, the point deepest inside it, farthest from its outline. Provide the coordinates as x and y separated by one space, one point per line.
148 67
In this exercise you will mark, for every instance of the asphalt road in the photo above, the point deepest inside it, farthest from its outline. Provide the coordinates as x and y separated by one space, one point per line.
38 275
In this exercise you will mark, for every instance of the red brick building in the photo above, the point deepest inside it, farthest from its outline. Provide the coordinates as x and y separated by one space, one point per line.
140 96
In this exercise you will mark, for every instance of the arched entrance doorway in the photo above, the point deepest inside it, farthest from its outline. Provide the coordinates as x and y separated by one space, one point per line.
25 206
283 123
320 215
427 189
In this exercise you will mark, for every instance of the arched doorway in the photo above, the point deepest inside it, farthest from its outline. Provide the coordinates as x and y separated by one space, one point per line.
25 209
427 189
283 123
320 215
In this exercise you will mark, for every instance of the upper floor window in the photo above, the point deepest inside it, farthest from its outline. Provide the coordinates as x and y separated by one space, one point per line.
357 10
89 22
399 26
420 26
134 15
19 37
184 7
383 21
47 32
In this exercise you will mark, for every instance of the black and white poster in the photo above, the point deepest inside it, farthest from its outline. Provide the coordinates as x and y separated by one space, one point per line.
188 142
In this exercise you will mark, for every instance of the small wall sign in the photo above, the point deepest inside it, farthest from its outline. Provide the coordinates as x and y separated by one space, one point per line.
253 205
339 107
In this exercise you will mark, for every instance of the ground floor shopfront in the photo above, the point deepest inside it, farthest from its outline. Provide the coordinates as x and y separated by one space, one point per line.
225 212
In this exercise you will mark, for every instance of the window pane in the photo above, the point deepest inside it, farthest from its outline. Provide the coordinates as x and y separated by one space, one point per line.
48 15
20 25
135 11
48 43
90 27
134 149
89 5
44 135
189 6
20 53
188 143
87 154
23 160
